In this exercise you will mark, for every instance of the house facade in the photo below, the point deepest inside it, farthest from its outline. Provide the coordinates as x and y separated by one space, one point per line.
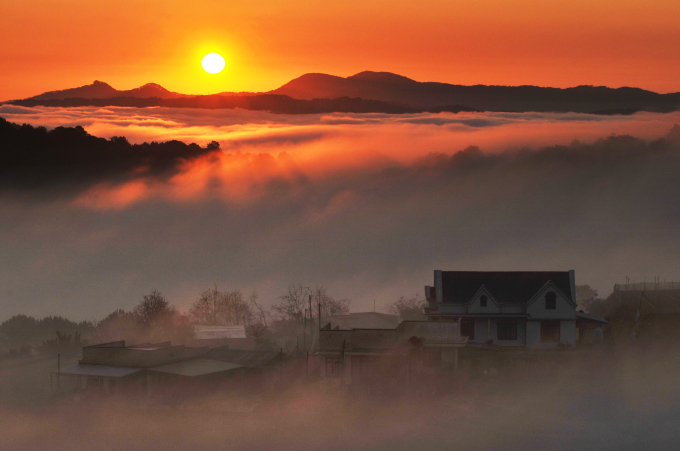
530 309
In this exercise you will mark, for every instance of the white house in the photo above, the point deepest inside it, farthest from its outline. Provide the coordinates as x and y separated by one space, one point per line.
533 309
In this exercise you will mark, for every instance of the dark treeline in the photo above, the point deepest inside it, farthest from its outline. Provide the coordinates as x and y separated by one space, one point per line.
20 333
32 156
273 103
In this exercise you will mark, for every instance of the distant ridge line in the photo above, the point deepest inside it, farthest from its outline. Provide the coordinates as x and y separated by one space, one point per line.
379 92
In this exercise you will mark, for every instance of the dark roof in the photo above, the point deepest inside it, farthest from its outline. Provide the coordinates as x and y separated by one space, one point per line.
84 369
195 367
580 316
516 287
113 344
249 359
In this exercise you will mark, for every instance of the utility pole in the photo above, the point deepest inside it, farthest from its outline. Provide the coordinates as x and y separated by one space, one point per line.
342 359
281 360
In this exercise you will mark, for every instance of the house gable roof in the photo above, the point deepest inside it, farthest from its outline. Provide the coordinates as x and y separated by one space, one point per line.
550 285
484 290
514 287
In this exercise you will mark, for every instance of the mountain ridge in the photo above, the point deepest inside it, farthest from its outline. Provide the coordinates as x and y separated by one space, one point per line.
102 90
385 91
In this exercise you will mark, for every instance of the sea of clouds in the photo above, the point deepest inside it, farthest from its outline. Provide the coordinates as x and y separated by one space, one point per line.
367 205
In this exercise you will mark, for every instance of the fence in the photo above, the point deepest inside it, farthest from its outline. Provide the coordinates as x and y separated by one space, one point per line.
647 286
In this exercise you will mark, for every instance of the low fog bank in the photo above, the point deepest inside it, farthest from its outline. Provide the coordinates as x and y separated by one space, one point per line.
608 210
595 399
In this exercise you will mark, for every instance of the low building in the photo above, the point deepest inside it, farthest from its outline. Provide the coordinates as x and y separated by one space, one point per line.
363 320
646 298
116 368
233 337
401 353
260 368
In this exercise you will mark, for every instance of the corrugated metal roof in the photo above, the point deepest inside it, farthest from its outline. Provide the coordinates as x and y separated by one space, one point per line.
85 369
208 332
195 367
591 317
249 359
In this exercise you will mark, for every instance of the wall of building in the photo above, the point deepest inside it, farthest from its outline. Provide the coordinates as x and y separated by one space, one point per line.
482 333
333 339
521 335
512 308
533 334
430 332
564 307
452 308
491 304
568 332
138 357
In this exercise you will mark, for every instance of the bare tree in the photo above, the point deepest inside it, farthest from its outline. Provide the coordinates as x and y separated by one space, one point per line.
259 313
258 326
215 307
293 303
408 308
209 309
329 306
237 309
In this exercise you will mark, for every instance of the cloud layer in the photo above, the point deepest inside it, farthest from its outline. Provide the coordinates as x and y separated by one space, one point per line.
366 205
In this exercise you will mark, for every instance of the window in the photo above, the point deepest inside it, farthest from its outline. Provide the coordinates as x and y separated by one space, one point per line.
550 331
467 328
482 301
507 329
550 301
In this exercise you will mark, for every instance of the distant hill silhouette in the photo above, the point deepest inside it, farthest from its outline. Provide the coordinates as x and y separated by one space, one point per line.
376 92
101 90
388 87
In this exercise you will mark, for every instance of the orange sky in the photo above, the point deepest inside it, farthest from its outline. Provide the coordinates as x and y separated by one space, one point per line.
50 44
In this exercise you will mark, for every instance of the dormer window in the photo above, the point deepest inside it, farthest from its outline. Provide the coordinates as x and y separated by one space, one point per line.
550 301
482 301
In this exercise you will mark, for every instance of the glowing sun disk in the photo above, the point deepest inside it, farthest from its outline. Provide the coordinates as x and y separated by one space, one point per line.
213 63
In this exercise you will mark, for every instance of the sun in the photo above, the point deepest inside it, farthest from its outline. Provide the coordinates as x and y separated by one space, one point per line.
213 63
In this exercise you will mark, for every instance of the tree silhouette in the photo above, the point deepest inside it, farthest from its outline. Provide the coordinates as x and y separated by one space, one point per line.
152 308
